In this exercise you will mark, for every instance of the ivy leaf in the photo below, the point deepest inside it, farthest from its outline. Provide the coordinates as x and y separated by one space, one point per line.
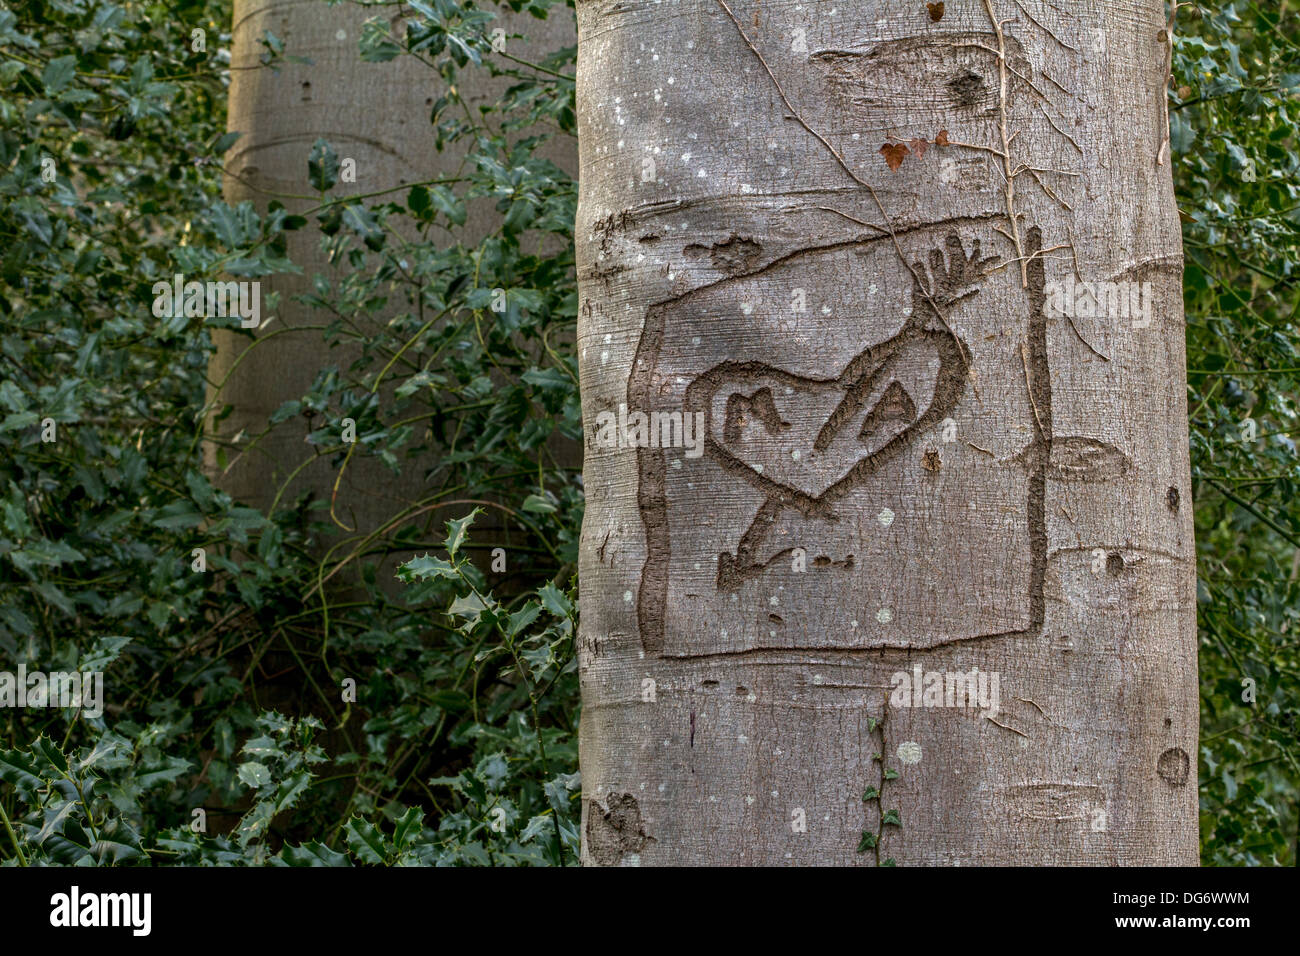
894 154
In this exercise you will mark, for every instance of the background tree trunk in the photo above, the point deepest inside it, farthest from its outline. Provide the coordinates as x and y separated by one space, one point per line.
913 463
378 115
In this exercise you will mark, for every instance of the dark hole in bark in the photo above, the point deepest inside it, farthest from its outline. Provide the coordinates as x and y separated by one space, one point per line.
1174 766
966 88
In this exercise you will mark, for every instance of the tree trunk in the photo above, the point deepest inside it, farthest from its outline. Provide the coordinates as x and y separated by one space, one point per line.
923 591
378 115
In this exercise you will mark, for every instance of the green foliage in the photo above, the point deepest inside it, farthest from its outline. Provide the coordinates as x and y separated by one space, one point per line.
1233 110
455 743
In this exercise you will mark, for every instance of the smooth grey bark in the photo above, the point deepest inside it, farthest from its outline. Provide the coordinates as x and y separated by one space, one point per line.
378 115
912 459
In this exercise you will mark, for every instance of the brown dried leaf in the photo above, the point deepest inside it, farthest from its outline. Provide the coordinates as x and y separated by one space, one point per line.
919 146
936 11
942 138
894 154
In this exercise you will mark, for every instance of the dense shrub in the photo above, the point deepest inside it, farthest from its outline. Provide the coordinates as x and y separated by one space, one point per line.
457 745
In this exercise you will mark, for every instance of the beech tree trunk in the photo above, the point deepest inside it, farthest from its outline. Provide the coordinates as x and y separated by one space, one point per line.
378 115
923 590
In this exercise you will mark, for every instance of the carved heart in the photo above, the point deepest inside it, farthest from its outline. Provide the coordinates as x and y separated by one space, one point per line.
814 437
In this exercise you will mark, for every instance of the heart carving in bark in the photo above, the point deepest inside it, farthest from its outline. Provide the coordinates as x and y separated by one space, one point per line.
809 440
808 436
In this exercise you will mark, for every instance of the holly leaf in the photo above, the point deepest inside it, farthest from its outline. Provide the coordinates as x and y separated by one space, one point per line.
322 166
457 530
58 73
254 774
365 841
424 568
